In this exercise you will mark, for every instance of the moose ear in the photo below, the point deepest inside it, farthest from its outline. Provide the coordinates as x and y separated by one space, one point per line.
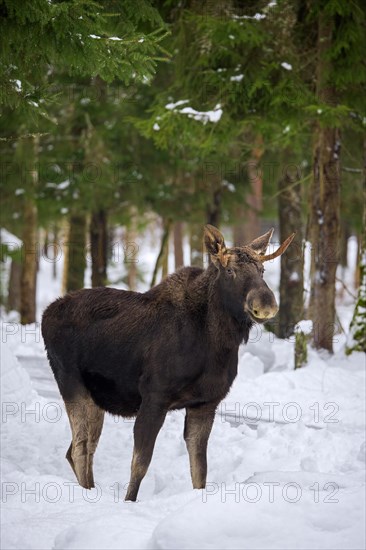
260 245
215 245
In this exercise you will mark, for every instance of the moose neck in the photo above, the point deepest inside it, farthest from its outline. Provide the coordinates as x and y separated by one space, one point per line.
228 322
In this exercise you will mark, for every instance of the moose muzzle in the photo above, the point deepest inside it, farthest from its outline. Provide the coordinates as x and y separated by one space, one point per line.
261 304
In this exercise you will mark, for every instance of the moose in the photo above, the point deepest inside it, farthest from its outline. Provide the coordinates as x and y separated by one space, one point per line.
144 354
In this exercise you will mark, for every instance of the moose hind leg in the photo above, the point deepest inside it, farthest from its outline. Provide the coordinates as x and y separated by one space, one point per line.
95 425
69 458
77 454
197 429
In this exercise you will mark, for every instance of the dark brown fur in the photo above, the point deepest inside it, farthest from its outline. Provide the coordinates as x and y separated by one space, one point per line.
173 347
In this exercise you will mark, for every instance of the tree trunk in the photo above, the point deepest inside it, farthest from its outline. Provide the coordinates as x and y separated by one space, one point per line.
325 202
99 245
292 279
301 350
240 210
51 249
357 333
343 253
178 245
131 245
65 237
30 251
165 259
46 243
13 303
132 275
28 280
55 251
324 207
76 252
239 237
356 278
213 209
196 244
163 246
343 246
252 224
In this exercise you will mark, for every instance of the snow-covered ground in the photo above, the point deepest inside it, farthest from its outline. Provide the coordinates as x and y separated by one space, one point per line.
286 456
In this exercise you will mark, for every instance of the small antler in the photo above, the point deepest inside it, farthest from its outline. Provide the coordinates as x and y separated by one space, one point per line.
280 250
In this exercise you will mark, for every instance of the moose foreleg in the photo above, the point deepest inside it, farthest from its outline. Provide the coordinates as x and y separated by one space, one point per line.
149 420
197 429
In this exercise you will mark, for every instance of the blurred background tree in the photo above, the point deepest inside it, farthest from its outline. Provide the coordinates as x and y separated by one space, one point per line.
244 115
45 46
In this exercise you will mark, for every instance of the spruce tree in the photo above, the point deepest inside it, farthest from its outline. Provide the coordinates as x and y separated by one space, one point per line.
340 43
44 44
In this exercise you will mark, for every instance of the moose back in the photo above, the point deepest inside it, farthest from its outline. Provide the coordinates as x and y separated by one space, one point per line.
142 355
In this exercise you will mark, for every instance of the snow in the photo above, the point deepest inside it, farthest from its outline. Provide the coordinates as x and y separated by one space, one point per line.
294 277
254 512
202 116
171 106
257 16
286 66
156 127
320 216
17 85
237 78
230 186
305 326
63 185
9 239
16 386
286 458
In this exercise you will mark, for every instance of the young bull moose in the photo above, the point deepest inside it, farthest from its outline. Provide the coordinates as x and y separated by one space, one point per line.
173 347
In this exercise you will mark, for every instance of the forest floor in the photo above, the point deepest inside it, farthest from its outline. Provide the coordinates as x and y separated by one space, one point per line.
286 457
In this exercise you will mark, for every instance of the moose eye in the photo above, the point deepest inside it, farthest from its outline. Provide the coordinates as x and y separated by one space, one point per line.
229 271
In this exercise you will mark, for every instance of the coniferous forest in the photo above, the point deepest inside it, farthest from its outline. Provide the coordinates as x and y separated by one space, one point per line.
127 126
238 114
